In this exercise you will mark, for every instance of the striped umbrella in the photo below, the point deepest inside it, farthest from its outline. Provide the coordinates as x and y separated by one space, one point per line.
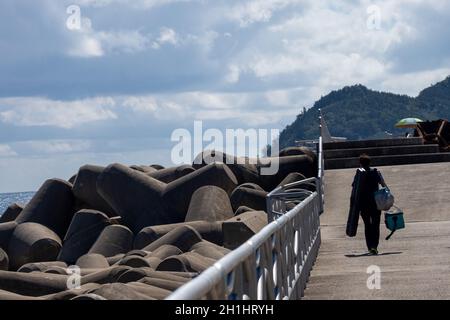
408 123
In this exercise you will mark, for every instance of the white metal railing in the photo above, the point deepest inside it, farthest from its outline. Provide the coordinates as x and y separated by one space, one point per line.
273 265
276 262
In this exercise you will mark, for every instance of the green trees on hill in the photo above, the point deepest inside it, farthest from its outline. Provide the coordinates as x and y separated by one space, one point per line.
357 112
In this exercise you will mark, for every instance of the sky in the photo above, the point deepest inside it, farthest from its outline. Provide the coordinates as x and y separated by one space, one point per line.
105 81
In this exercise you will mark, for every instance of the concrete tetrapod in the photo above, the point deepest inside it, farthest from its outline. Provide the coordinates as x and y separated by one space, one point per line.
143 168
172 275
41 266
6 231
209 203
162 283
135 262
137 252
11 213
286 165
92 261
52 206
85 189
137 274
186 262
32 242
10 296
88 297
150 259
298 151
103 276
33 284
4 260
135 196
70 294
211 231
85 228
178 193
165 280
183 238
130 291
171 174
143 261
149 290
115 259
303 164
157 166
245 169
72 179
241 210
163 252
294 177
114 240
210 246
56 270
252 198
251 186
239 229
209 250
118 291
208 157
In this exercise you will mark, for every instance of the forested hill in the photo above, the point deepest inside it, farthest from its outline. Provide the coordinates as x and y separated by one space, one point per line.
357 112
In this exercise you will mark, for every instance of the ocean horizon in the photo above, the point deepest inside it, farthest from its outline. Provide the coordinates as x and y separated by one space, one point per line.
7 199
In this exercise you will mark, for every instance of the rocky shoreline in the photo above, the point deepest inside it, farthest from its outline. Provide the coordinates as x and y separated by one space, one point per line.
138 232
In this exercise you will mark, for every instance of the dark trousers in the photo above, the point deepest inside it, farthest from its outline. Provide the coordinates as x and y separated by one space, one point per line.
371 217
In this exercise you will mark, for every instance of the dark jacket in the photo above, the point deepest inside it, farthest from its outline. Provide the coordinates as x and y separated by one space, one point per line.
369 181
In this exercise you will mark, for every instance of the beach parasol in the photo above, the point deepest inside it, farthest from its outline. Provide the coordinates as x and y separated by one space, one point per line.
408 123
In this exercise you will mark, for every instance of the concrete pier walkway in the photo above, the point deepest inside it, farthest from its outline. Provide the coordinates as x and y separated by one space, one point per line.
414 263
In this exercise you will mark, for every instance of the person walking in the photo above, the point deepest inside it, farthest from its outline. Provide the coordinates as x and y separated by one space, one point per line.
365 183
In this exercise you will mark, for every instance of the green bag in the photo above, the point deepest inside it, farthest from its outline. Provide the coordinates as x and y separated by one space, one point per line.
394 220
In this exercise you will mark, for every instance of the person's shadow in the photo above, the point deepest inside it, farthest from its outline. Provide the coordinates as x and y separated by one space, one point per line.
372 255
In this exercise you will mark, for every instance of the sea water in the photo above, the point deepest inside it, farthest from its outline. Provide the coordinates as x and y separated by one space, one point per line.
9 198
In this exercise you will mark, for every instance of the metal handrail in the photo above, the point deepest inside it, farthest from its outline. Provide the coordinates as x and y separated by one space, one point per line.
276 200
273 264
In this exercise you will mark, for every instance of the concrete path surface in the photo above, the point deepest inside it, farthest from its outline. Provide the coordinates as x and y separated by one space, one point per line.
414 263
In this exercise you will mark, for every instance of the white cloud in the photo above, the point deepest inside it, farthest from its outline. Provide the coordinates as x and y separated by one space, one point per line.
204 40
64 114
124 41
6 151
88 43
56 146
250 12
233 74
279 98
264 66
146 4
167 35
327 45
191 105
413 82
86 47
141 104
247 108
